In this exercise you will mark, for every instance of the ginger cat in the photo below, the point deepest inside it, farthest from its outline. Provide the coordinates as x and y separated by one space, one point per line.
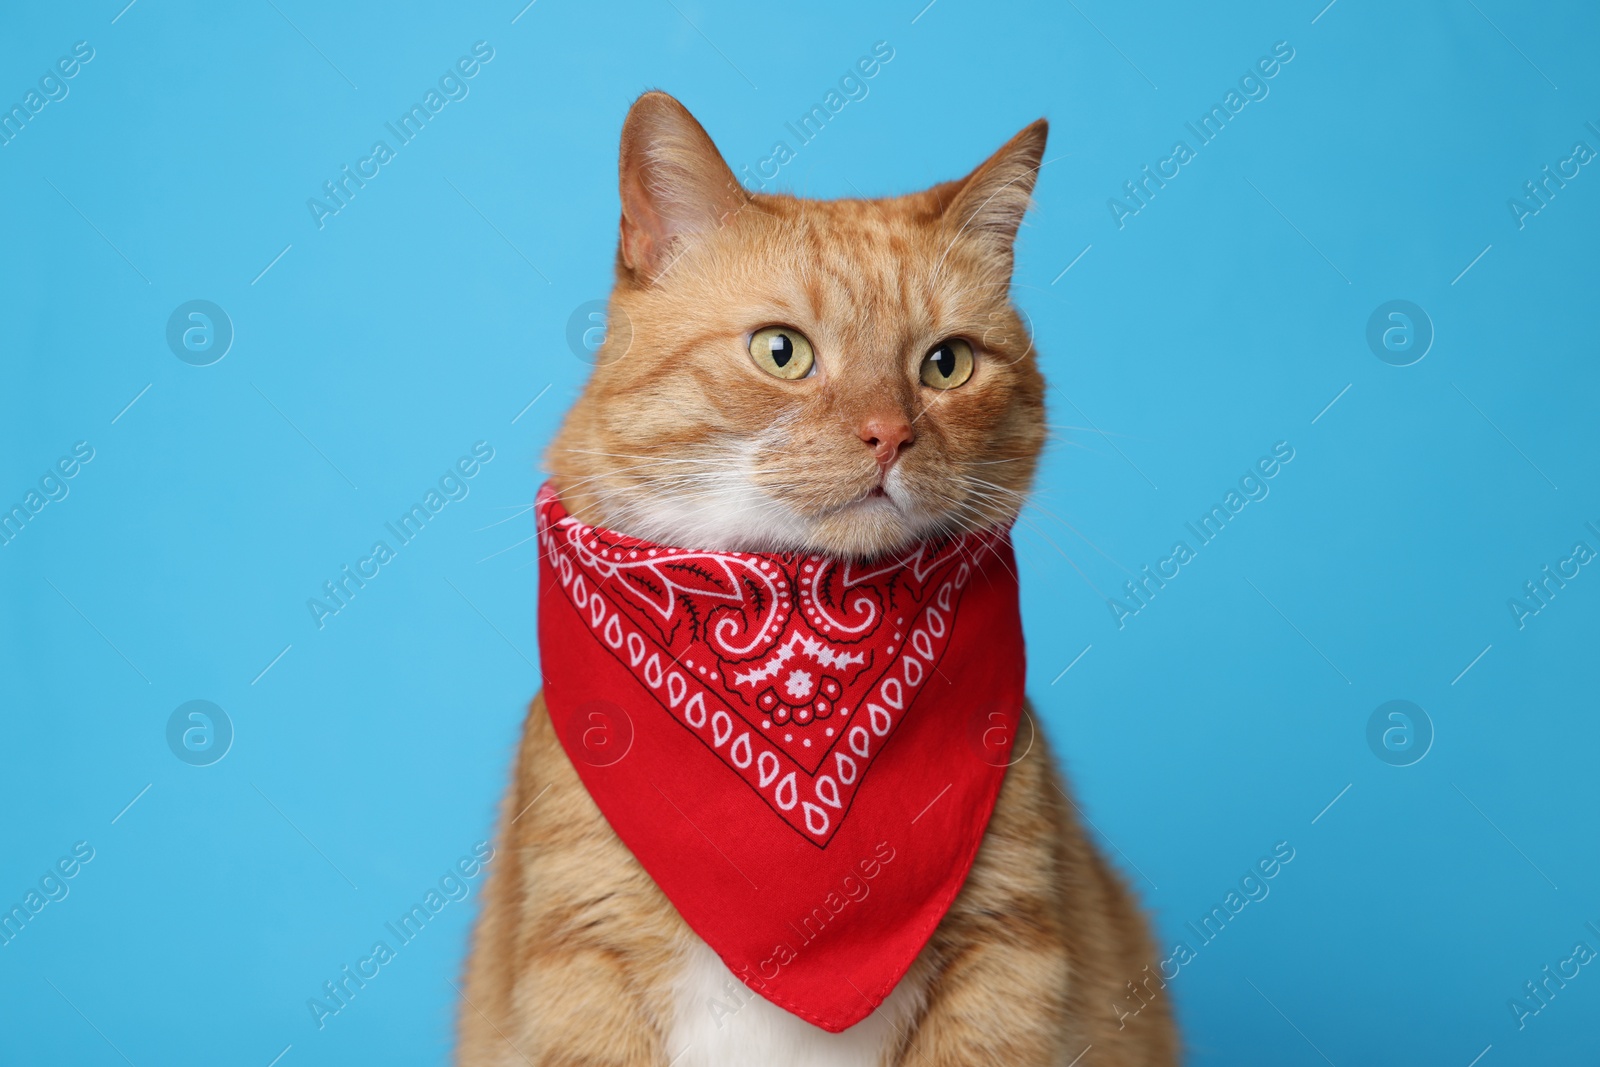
688 435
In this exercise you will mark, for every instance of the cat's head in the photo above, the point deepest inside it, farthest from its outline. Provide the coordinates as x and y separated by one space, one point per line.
837 376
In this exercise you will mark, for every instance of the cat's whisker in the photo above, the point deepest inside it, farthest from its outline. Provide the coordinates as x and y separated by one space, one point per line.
1079 534
508 548
651 459
972 549
522 509
1052 438
655 462
991 485
1094 430
988 490
937 397
1070 561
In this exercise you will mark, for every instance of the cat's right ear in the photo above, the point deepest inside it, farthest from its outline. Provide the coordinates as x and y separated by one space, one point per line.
674 184
992 200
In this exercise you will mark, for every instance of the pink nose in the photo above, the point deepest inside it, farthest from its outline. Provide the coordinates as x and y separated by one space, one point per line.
887 437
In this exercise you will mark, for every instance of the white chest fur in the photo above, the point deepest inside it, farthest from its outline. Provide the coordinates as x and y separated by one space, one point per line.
720 1022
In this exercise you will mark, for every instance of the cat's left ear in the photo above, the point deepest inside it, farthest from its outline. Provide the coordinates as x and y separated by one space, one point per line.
991 201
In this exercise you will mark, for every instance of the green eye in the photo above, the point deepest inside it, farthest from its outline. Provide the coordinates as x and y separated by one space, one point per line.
947 365
782 352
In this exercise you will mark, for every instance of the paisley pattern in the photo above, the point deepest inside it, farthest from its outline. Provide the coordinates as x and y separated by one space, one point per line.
795 670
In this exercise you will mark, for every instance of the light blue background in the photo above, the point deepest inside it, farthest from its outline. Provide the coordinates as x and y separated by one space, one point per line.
1221 319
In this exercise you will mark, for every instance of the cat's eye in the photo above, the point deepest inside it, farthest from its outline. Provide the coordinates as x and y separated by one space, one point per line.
782 352
947 365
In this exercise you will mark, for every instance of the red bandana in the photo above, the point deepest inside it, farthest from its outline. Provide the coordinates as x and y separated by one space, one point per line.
802 752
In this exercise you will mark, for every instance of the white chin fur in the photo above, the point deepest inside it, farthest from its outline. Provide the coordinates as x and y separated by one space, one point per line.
728 512
720 1022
